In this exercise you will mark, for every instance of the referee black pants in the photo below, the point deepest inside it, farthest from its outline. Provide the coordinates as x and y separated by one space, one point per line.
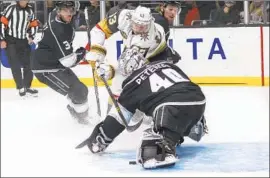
18 53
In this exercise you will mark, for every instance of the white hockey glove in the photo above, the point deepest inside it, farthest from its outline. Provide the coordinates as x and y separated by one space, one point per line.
73 59
104 70
96 53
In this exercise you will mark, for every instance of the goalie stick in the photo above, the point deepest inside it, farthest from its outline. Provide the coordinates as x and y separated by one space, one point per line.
130 128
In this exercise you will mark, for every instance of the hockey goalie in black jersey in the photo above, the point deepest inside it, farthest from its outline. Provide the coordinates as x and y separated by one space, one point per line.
163 91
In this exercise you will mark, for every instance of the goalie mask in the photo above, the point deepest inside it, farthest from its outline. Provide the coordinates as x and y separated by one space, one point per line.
130 60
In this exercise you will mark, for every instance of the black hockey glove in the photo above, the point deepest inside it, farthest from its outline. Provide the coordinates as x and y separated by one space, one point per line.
80 53
172 55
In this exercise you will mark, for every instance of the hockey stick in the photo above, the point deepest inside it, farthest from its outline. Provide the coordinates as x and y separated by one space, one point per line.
92 63
129 128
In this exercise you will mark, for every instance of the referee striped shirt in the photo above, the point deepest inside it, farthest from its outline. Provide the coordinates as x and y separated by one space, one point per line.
18 22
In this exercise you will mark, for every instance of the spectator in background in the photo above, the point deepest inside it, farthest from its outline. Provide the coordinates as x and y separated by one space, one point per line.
125 5
205 8
192 13
129 4
167 10
78 20
267 8
226 15
94 12
1 4
94 15
39 11
50 6
256 11
165 14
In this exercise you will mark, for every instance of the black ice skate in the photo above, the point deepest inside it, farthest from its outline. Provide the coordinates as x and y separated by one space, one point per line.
31 92
22 92
82 118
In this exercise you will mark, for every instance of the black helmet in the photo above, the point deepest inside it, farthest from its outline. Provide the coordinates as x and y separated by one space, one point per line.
63 4
173 3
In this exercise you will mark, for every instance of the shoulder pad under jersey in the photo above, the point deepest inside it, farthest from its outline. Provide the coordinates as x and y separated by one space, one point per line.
162 21
117 19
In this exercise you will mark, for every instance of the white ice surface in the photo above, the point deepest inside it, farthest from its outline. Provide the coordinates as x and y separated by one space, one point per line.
38 136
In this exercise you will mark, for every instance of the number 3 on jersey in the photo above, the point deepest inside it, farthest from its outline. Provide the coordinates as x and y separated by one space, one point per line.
67 45
156 82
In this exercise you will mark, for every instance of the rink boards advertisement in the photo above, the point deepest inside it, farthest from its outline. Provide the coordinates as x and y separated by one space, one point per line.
210 56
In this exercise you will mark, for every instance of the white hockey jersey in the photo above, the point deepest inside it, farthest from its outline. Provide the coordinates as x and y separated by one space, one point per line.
149 44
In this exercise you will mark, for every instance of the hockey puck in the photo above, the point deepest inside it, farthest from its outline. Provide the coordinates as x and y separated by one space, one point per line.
132 162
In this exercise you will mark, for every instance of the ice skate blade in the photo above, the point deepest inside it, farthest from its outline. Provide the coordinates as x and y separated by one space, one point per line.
154 164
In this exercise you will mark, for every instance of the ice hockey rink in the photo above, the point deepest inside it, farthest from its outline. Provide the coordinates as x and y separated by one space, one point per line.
38 138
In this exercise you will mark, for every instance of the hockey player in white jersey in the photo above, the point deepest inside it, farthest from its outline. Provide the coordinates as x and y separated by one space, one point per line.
139 32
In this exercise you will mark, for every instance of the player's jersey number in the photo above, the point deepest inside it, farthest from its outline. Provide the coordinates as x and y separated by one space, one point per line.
171 77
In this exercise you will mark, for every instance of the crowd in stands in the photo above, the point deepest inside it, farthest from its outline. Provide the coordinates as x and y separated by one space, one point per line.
191 13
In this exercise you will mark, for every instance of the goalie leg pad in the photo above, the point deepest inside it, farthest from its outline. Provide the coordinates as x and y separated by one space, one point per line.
112 128
103 134
98 141
155 151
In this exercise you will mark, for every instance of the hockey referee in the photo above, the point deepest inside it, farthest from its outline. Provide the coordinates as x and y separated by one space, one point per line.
17 30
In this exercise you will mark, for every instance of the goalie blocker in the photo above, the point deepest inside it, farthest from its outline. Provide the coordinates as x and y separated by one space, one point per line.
163 91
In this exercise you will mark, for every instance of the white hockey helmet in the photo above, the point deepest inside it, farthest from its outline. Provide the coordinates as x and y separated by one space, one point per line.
130 60
141 20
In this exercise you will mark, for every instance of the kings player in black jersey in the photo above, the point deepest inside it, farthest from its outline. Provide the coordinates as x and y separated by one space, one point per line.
159 89
53 59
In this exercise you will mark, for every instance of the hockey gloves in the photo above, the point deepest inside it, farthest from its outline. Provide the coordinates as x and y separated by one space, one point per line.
172 55
80 52
104 70
96 53
73 59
